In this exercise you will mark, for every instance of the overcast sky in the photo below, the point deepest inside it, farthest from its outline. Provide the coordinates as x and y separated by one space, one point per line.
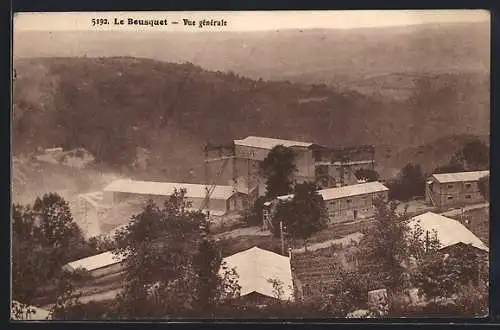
248 21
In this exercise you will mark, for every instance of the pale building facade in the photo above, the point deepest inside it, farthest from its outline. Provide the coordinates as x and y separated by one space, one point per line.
343 204
223 199
451 189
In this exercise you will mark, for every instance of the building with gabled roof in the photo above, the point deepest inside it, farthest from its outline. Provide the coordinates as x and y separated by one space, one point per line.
343 204
98 265
223 198
256 268
451 189
325 166
449 232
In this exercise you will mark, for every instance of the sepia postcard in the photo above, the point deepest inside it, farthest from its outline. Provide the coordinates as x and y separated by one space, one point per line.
250 165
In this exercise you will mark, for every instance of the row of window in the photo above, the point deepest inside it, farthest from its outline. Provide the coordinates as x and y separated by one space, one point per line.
466 197
467 186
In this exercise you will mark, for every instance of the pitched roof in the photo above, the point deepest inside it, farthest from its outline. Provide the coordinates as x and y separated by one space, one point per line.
269 143
449 231
460 176
256 266
39 315
167 189
95 262
346 191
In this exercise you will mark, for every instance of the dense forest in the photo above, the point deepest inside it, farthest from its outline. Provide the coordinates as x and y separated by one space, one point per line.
113 105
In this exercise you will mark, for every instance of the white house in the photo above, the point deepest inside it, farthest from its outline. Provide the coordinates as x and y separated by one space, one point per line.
255 267
449 232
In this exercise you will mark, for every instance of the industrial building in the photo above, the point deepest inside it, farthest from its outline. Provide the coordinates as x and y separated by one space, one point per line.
449 189
347 203
223 199
327 167
99 265
256 269
450 233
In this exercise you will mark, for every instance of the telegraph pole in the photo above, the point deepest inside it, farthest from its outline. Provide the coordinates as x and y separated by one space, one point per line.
207 183
282 234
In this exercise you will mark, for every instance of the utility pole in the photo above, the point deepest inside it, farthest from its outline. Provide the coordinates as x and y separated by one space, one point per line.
207 183
282 234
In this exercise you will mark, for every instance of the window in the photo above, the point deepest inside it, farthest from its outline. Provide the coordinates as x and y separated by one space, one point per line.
468 196
348 201
450 186
468 185
450 197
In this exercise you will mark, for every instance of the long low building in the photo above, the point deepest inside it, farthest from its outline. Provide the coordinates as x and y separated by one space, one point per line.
98 265
449 232
256 269
347 203
449 189
223 199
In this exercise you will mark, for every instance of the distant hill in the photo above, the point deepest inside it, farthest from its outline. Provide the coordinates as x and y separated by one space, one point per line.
332 56
111 106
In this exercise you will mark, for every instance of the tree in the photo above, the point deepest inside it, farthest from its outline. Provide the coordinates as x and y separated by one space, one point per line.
253 216
278 168
367 174
43 239
68 305
165 276
32 264
304 214
442 275
55 220
384 249
484 187
410 183
449 168
474 156
212 289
